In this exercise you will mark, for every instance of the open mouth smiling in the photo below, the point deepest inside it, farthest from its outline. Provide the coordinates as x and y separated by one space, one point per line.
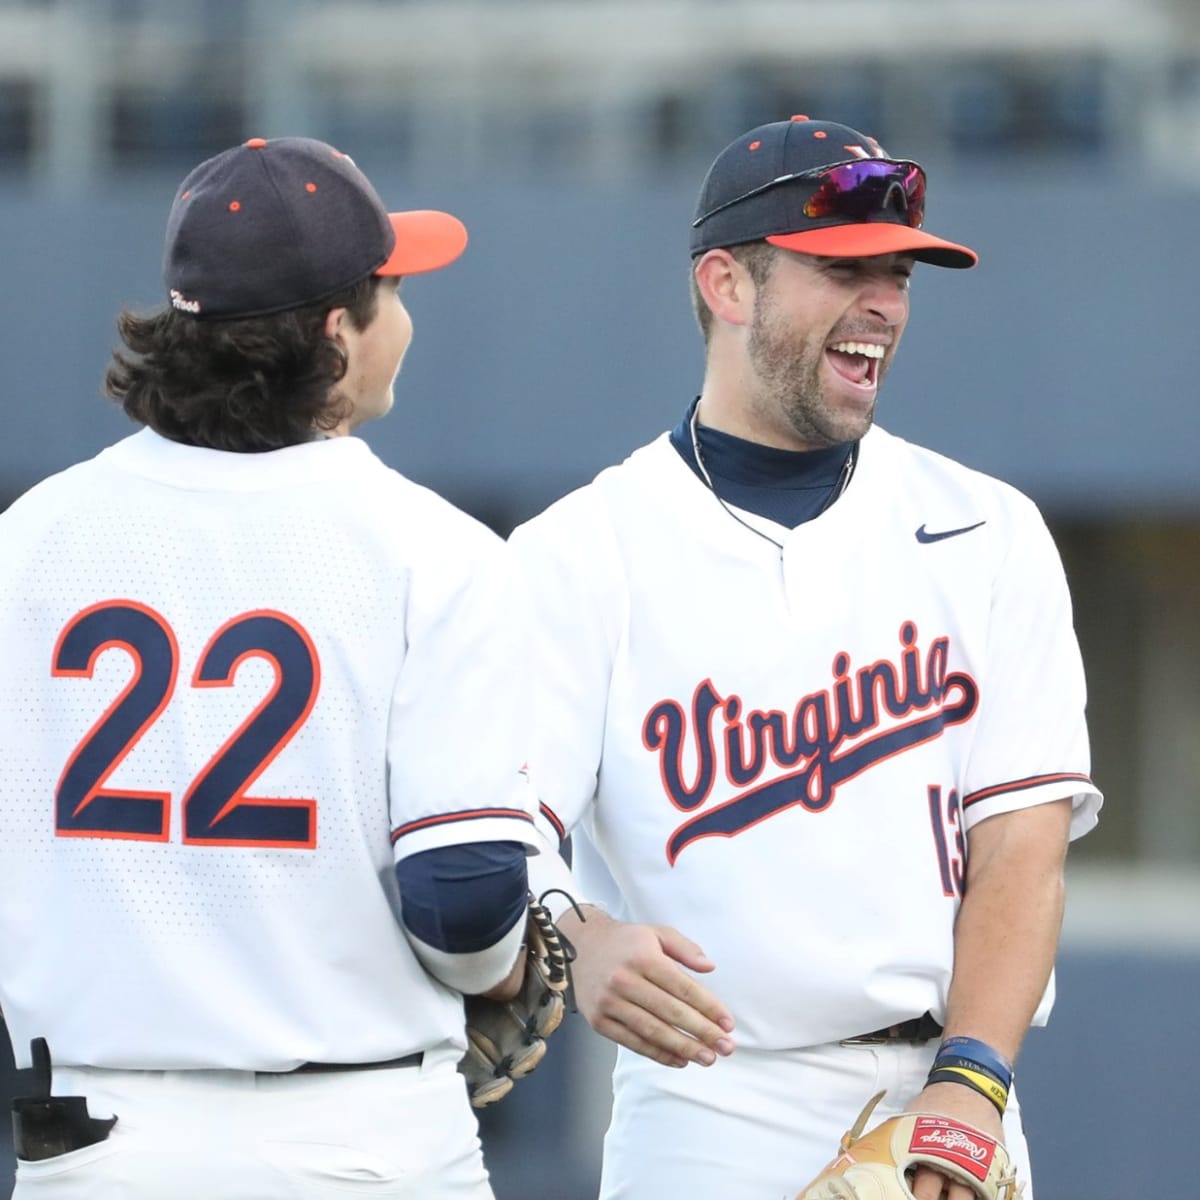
857 362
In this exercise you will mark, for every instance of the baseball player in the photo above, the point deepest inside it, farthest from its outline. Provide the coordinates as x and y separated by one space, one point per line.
811 696
264 812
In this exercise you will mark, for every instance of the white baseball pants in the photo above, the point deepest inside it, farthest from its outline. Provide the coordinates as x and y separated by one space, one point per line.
406 1133
758 1125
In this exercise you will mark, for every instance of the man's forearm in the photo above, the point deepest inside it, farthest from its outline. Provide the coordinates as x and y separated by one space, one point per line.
1006 935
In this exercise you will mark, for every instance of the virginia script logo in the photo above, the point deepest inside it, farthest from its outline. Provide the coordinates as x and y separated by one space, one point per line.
823 742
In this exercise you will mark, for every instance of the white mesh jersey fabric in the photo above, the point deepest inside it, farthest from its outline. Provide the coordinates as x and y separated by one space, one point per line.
236 689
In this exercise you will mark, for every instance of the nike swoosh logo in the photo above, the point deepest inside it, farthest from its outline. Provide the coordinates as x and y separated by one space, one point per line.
925 537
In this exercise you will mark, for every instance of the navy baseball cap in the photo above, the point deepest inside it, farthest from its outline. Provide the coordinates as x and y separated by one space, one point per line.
818 188
276 224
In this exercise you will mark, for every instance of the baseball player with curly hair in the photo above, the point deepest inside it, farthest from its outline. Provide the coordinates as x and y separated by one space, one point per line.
246 872
810 695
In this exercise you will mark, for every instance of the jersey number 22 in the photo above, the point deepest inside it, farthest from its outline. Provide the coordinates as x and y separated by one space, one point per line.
216 810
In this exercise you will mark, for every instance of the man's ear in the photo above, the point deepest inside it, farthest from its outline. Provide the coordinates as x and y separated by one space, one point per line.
335 321
726 287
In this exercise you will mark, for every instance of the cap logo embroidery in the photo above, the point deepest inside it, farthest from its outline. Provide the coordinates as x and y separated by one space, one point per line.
181 302
874 151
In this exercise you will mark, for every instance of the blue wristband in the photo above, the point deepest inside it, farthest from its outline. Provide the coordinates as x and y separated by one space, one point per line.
978 1052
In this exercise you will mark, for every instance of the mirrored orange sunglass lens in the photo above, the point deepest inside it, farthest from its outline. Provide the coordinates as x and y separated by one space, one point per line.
870 190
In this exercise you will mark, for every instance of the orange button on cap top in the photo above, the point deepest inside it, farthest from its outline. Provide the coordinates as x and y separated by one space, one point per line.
800 117
256 143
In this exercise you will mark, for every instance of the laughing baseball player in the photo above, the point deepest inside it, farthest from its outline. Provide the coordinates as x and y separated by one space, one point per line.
264 818
810 701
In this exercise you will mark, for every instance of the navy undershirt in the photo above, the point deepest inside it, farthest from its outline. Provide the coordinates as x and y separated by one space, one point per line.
785 486
463 898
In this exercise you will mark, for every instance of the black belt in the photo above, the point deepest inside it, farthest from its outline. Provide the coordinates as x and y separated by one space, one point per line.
387 1064
919 1029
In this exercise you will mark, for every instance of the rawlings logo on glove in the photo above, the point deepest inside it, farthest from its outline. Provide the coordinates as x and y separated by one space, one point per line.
506 1039
879 1165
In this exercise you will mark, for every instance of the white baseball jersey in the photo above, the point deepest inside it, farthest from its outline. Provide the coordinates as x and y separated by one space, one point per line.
779 752
237 688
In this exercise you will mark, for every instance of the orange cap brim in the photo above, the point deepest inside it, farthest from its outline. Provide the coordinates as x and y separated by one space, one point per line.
425 240
863 241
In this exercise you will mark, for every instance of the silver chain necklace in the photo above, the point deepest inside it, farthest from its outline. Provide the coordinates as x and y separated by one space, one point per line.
842 483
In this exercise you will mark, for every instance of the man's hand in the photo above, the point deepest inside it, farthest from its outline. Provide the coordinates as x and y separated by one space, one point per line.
945 1157
630 987
961 1104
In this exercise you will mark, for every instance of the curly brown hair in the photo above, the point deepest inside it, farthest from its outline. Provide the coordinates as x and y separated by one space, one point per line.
247 385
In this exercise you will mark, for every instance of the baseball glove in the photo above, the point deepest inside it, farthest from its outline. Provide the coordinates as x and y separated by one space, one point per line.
880 1165
507 1038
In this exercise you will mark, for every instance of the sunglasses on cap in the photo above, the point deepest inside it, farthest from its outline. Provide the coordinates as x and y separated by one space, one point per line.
863 189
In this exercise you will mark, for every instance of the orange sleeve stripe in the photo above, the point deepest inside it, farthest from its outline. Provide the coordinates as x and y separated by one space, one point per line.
552 817
469 814
1020 785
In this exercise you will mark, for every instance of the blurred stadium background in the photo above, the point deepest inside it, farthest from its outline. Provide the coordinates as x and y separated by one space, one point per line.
1062 138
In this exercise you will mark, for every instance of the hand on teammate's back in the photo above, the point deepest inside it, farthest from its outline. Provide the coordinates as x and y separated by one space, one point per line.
630 986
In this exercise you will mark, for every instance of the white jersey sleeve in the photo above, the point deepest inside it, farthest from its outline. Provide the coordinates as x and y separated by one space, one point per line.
575 600
1030 741
462 672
